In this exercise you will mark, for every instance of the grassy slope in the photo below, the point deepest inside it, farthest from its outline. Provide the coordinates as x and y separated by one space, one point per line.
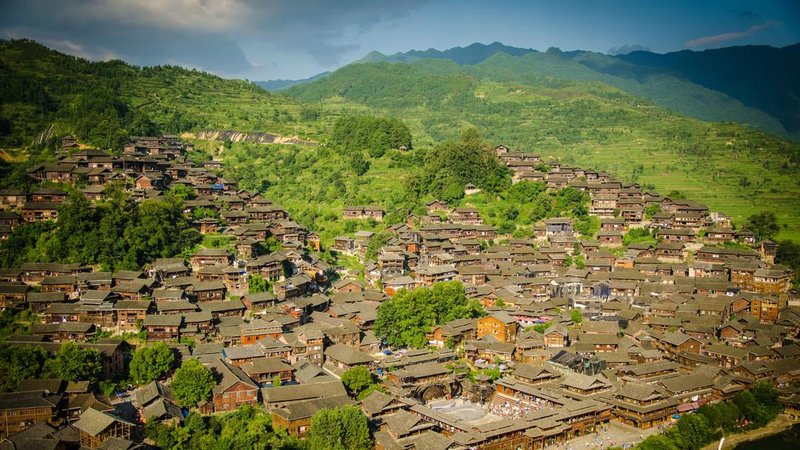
587 123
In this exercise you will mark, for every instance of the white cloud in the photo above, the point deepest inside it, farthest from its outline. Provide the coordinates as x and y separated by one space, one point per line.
730 36
208 15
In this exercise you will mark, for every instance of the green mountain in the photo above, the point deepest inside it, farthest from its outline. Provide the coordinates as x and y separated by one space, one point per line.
469 55
760 76
279 85
44 92
683 87
560 109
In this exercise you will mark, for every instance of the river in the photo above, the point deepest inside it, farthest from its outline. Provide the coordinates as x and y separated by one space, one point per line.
785 440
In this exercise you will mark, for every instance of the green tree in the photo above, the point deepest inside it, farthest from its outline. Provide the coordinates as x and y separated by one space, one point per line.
73 363
160 231
377 242
657 442
636 235
369 390
747 404
587 225
576 315
541 327
375 134
192 383
357 379
116 234
692 432
108 387
493 373
453 164
405 319
181 192
713 414
788 254
151 363
676 195
256 283
764 225
245 428
651 211
344 428
205 213
359 164
765 394
19 363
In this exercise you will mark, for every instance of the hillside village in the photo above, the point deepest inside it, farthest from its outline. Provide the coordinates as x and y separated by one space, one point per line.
575 333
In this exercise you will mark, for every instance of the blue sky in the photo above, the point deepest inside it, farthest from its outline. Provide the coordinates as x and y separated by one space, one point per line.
272 39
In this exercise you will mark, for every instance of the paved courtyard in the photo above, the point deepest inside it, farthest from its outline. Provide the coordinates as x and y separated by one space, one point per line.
613 434
460 408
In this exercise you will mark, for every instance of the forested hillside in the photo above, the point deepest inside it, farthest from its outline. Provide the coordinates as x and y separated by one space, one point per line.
103 102
759 76
730 167
551 111
704 85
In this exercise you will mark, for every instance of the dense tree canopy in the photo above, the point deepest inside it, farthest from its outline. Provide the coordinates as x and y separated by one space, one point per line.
246 428
453 164
73 363
526 202
374 134
357 379
151 363
788 254
758 405
764 225
256 283
692 432
359 164
360 382
116 234
344 428
405 319
636 235
102 119
192 383
19 363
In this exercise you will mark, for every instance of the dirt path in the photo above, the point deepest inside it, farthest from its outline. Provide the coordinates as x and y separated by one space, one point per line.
780 423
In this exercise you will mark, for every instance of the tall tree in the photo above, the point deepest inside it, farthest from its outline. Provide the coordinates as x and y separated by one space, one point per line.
453 164
73 363
692 432
357 379
192 383
256 283
406 318
764 225
19 363
344 428
359 164
151 363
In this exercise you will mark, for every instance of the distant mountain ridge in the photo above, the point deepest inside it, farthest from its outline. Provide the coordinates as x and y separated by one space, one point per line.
279 85
759 76
469 55
708 85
